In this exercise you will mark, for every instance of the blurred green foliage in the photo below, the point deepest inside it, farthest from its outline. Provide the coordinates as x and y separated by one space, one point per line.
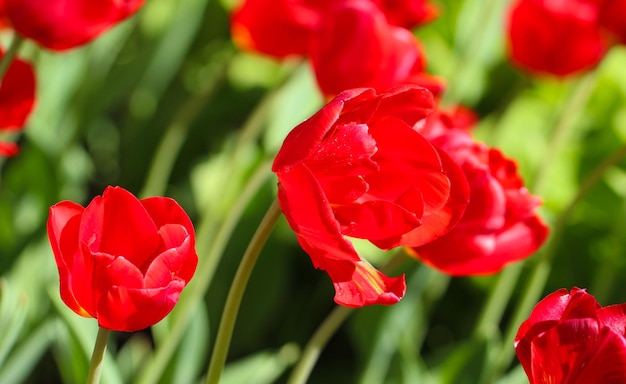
104 110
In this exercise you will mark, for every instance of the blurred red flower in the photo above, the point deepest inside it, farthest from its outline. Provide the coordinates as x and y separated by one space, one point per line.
613 18
351 43
17 98
122 260
357 47
64 24
557 37
570 338
500 224
357 168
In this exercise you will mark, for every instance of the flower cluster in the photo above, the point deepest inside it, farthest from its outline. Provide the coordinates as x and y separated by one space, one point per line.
376 48
570 338
57 25
564 37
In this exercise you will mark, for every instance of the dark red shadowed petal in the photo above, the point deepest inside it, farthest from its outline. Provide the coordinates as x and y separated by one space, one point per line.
118 224
63 226
309 214
579 351
408 13
17 95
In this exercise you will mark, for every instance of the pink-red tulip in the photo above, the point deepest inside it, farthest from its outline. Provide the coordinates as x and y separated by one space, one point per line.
500 224
122 260
64 24
357 168
570 338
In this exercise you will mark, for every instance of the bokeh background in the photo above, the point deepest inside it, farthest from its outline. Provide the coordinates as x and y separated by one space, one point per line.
169 85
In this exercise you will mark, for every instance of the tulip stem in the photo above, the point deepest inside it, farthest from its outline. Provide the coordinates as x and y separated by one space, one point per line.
97 357
10 54
328 327
176 133
237 289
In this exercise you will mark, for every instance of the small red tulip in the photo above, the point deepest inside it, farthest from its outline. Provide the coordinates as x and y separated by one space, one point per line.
65 24
17 98
122 260
500 224
570 338
557 37
357 168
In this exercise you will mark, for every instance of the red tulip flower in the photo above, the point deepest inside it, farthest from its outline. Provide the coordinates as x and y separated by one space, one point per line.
122 260
357 168
557 37
64 24
17 98
351 43
356 46
570 338
500 224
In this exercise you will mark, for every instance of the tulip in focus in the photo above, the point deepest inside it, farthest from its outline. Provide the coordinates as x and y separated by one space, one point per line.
65 24
17 99
500 224
122 260
570 338
357 168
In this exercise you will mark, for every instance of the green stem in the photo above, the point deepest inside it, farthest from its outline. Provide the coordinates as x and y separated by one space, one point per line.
237 289
97 357
176 134
316 344
10 54
541 270
327 329
204 275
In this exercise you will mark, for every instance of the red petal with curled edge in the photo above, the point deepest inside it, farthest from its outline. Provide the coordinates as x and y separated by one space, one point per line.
128 310
309 214
17 97
118 224
614 317
177 261
74 276
304 139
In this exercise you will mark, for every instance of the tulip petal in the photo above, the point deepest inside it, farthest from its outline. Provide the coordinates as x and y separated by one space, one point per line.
163 211
309 214
175 261
127 310
63 226
118 224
